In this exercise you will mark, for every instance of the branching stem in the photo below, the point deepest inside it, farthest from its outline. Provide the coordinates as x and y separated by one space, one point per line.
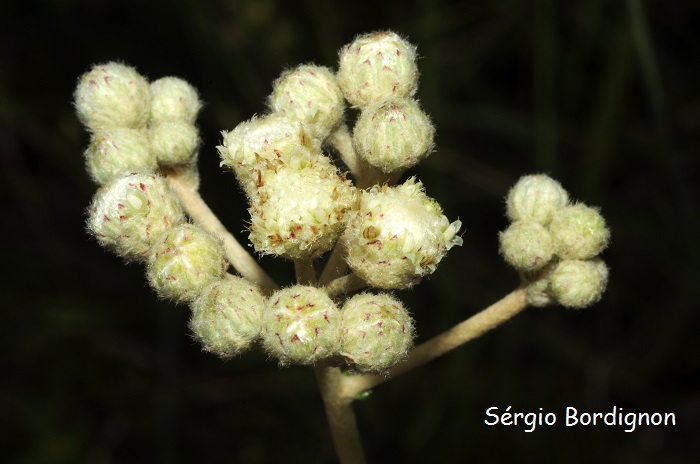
463 332
346 284
186 188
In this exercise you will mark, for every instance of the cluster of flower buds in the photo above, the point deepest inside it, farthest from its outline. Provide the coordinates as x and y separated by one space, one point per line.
302 206
137 130
554 244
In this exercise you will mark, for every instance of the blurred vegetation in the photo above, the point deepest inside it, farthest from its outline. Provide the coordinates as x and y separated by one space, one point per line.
603 95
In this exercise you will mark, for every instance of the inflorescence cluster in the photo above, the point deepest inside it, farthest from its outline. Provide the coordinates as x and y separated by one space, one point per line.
302 207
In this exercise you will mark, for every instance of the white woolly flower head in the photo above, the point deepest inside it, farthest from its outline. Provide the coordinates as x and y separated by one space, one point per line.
183 260
376 67
127 214
393 135
116 152
227 316
258 141
299 208
398 235
377 332
301 325
113 95
174 142
174 99
535 197
309 94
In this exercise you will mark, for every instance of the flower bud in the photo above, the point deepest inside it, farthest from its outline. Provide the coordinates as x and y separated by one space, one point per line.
537 293
127 214
183 260
301 325
256 142
174 142
526 245
116 152
299 209
377 332
579 232
309 94
576 283
227 316
173 99
398 235
113 95
535 197
393 135
377 67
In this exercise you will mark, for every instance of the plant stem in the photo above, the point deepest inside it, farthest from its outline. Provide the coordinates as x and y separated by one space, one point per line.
347 283
305 272
336 265
341 417
475 326
341 140
186 188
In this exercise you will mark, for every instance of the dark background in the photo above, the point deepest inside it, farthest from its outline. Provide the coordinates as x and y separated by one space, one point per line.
602 95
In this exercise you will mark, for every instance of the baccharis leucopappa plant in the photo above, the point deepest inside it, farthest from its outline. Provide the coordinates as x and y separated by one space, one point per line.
375 234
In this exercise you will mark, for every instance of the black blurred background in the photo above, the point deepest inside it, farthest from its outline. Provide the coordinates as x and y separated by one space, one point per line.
602 95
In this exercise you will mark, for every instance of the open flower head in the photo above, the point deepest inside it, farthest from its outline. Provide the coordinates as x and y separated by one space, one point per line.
398 235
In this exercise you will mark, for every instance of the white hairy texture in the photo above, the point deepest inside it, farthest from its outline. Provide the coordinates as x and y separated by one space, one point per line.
398 235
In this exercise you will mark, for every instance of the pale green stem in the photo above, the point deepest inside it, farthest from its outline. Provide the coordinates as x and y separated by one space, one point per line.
463 332
341 417
346 284
341 140
185 187
336 265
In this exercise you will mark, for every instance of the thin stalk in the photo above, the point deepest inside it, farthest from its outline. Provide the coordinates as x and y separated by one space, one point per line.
341 140
305 272
475 326
341 417
346 284
185 187
336 265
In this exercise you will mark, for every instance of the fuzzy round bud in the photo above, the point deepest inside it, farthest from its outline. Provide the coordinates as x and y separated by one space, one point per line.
393 135
299 209
537 293
578 283
259 141
535 197
301 325
173 98
377 332
526 245
127 214
309 94
174 142
376 67
398 235
227 316
183 260
579 232
112 95
118 151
